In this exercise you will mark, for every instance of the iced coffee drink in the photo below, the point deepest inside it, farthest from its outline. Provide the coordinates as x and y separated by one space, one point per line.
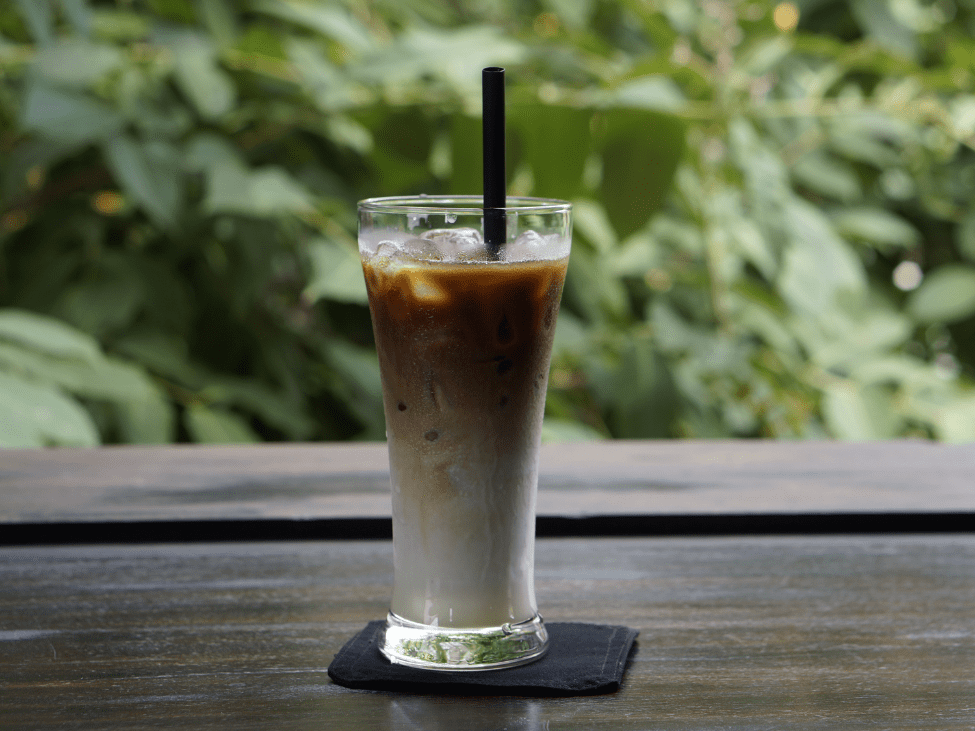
464 336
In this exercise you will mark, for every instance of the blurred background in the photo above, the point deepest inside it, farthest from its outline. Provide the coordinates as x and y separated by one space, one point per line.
774 209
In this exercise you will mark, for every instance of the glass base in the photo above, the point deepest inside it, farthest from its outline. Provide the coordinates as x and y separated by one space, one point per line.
483 648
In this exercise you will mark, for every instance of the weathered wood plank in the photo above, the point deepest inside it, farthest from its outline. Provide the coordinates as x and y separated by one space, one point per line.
743 633
300 482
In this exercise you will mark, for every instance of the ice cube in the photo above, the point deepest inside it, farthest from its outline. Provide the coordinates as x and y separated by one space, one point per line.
456 244
408 251
387 256
532 246
426 289
388 249
527 246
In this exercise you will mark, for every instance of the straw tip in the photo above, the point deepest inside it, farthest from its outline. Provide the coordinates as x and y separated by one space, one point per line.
493 70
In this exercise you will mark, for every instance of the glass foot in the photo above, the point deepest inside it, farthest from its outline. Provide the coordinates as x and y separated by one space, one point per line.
484 648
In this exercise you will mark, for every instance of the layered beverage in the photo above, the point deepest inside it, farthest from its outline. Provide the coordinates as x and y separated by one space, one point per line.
464 336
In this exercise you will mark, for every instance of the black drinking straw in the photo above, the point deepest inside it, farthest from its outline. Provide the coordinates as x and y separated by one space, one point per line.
492 97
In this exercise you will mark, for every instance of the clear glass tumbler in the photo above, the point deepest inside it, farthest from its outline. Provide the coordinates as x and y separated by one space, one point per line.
464 334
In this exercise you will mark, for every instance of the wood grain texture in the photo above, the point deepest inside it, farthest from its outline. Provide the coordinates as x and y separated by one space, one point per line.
736 633
304 482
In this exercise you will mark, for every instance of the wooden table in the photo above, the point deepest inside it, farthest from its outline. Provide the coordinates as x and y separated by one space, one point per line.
775 585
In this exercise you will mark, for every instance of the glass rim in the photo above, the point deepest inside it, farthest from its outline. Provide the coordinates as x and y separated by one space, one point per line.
463 204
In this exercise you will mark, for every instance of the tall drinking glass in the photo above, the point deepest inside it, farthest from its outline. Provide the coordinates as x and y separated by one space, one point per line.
464 335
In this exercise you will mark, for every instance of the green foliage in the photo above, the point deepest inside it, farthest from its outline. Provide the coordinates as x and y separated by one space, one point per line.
43 363
178 180
478 649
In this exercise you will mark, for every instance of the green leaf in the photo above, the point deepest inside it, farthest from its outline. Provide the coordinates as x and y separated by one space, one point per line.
575 14
636 388
877 227
965 236
163 354
570 335
557 145
405 134
67 117
560 431
456 55
852 335
336 273
671 333
200 77
818 267
35 415
152 186
358 366
764 55
180 11
767 190
465 154
828 176
149 420
592 290
232 187
955 422
855 143
47 335
882 125
78 14
102 304
74 62
685 17
590 220
635 256
755 316
261 192
118 25
332 22
221 19
39 17
883 27
217 426
272 189
37 153
681 236
206 152
946 294
963 115
358 383
640 153
401 143
347 132
859 414
271 406
898 370
750 243
329 86
653 92
100 378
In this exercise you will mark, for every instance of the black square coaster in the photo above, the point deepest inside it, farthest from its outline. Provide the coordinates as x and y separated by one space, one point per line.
582 659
